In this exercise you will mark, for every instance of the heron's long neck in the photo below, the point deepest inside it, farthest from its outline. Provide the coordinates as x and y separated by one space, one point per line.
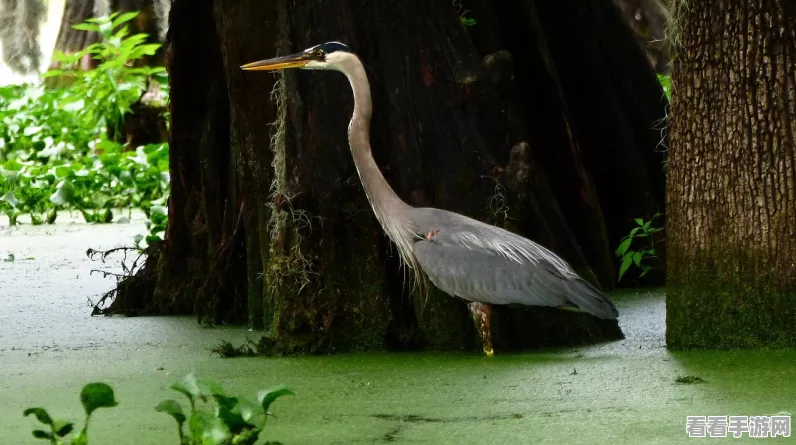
381 196
393 214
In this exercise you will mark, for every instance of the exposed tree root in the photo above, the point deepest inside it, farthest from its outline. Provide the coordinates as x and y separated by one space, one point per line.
135 285
225 349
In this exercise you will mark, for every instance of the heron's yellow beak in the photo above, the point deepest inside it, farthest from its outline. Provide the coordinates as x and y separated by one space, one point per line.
297 60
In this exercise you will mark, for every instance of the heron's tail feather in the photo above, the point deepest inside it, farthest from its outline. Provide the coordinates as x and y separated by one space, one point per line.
584 295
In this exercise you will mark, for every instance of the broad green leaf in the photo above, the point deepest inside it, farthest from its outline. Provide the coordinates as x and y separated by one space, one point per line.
266 397
637 258
639 221
126 17
121 33
62 171
620 251
11 199
97 395
41 415
62 427
199 422
626 262
107 146
64 58
172 408
234 421
52 215
88 217
248 410
64 193
666 85
189 386
217 433
39 434
106 29
52 73
158 218
145 50
86 27
209 387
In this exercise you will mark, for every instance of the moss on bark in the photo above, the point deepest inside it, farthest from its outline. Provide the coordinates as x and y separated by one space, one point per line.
723 301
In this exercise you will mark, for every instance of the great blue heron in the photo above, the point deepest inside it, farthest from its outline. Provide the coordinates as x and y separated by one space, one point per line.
463 257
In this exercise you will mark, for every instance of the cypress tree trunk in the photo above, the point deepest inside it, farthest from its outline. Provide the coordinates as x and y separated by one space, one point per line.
731 183
270 223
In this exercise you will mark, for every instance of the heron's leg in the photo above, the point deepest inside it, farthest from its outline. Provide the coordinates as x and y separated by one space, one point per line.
482 314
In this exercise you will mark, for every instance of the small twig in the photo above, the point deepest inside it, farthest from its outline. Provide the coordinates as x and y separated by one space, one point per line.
106 274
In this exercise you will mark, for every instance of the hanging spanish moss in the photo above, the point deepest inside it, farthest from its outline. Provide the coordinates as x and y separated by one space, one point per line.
20 21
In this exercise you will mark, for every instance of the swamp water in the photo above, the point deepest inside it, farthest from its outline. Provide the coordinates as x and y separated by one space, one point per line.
621 392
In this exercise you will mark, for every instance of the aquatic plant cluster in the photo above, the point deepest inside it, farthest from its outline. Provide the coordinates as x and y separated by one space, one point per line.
233 420
61 149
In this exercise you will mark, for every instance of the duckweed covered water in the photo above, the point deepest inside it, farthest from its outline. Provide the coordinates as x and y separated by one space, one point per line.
615 393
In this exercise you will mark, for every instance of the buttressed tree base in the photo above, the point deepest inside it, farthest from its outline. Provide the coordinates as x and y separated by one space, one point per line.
543 119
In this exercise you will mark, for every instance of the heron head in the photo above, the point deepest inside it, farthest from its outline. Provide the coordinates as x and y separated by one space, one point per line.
326 56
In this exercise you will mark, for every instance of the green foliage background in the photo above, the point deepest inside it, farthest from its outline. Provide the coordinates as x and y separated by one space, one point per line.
59 149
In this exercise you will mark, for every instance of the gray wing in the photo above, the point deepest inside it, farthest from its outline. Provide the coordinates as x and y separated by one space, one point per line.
484 263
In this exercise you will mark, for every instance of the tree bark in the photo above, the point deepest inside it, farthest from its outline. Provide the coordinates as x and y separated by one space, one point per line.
732 177
465 119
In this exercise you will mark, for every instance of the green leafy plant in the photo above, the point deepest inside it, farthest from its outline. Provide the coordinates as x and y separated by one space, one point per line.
56 152
233 420
93 396
666 83
643 249
107 92
93 183
157 217
467 21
